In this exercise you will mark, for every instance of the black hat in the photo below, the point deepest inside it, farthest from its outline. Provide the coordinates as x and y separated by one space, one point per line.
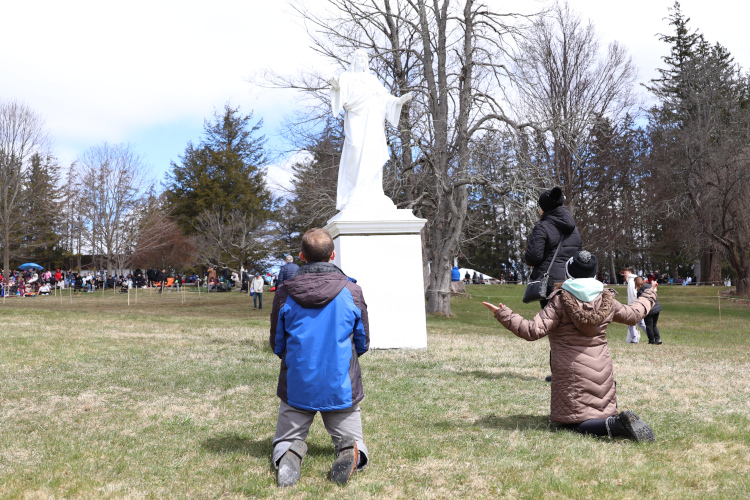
582 265
551 198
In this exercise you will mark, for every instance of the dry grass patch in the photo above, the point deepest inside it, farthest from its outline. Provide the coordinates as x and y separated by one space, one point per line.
172 400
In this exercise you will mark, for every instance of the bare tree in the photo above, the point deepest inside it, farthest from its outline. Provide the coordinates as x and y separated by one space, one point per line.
565 83
236 240
112 182
452 58
162 244
22 136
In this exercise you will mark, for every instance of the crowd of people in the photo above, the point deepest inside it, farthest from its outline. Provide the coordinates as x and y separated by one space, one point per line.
30 283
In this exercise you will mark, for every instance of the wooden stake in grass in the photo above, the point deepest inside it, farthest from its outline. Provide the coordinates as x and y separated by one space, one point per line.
718 295
128 296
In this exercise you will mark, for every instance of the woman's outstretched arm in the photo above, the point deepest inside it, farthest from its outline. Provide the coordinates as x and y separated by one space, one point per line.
543 323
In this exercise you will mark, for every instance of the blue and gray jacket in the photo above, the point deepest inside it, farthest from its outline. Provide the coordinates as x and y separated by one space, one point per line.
319 328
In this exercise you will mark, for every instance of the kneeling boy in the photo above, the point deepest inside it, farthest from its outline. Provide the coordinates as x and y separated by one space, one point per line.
319 329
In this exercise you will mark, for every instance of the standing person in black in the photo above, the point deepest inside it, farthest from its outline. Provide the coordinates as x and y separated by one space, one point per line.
652 331
555 225
151 276
161 278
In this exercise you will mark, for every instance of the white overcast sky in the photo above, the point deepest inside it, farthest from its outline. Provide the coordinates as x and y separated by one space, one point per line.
149 72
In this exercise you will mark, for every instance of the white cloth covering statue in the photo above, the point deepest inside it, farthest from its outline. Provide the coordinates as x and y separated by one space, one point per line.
367 104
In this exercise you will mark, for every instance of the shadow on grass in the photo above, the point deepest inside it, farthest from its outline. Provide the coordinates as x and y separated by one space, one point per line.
497 375
262 448
520 422
234 443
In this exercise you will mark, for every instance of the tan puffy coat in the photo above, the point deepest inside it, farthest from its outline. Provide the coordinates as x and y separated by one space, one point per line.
582 382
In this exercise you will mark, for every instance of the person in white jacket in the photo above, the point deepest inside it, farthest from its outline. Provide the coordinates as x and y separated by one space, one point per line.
256 287
634 336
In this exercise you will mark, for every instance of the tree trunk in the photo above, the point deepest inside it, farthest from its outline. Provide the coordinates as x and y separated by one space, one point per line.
711 264
439 292
6 255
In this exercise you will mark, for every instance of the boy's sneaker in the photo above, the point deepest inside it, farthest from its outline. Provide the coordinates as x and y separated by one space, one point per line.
347 456
635 428
289 465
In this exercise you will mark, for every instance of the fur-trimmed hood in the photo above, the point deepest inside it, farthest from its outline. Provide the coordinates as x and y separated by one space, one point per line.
582 380
584 315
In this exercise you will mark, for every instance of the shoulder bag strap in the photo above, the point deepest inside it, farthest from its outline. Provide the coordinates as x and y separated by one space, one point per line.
546 275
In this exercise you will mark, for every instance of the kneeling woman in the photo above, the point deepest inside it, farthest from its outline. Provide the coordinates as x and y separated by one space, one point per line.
576 319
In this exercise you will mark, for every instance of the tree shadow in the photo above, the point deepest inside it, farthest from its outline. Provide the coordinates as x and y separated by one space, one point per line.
498 375
520 422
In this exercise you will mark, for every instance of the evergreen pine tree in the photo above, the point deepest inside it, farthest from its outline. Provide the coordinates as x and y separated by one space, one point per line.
41 230
224 172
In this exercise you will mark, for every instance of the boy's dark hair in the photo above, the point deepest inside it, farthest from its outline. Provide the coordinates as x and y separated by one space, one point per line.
317 245
629 269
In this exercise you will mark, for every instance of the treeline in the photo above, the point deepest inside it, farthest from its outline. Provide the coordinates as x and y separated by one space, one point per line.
105 212
505 109
505 106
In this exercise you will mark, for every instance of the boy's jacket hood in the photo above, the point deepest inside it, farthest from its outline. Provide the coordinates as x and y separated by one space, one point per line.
316 284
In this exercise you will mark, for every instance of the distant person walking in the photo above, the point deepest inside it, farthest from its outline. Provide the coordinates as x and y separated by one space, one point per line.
287 271
257 289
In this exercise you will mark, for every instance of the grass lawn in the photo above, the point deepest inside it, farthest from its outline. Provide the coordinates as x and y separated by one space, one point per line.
165 399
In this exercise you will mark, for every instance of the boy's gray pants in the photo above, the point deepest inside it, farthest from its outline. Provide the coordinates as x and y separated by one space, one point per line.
294 424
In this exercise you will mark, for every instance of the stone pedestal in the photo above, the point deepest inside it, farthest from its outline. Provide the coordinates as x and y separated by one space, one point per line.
382 250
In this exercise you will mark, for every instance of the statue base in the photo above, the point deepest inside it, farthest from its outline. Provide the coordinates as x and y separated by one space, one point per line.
382 250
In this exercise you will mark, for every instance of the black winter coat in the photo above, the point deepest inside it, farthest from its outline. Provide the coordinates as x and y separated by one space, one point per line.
657 308
556 224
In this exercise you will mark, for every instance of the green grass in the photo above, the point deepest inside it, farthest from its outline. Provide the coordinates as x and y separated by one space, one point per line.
170 400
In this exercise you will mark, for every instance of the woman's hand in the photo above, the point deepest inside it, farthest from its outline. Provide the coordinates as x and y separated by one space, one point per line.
493 308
